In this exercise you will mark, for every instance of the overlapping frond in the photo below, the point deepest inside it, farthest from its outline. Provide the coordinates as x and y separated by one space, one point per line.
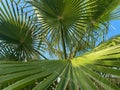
18 34
107 10
111 42
71 24
68 24
94 70
65 22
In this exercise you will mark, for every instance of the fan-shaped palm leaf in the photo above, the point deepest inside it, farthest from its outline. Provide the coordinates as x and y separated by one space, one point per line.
72 24
18 34
64 21
83 72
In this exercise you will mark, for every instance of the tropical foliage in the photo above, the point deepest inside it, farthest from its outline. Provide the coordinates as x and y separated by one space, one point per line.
70 31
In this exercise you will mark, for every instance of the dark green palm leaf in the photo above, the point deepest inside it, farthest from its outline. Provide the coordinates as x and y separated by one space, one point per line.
65 22
84 72
18 34
71 24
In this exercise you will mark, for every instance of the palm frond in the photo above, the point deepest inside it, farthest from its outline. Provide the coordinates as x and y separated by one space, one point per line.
65 21
86 71
17 32
108 10
72 24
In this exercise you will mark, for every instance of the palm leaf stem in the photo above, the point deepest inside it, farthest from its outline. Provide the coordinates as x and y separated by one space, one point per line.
41 55
63 39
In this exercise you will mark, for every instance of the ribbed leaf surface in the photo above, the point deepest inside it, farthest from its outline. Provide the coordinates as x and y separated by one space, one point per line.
18 33
94 70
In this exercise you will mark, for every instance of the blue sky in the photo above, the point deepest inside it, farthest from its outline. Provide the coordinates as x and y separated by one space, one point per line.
114 28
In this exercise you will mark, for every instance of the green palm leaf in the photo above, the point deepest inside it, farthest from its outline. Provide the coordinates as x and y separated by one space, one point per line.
65 22
18 34
68 27
84 72
74 25
108 11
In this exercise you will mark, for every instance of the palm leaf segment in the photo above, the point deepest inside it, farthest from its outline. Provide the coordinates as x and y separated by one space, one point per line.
72 24
18 34
65 22
84 72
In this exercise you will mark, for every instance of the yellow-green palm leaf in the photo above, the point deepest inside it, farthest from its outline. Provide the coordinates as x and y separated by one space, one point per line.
84 72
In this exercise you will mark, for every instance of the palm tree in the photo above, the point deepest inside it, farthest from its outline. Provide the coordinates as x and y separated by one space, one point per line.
69 30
